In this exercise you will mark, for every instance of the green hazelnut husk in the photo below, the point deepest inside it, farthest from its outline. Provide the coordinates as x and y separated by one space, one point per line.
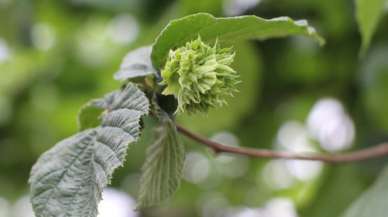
200 76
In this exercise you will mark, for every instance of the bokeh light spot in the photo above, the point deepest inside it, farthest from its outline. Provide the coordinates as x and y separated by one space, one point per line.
331 125
197 168
4 51
123 29
116 204
238 7
43 36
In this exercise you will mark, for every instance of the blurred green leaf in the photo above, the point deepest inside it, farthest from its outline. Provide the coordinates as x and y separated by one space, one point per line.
368 14
212 6
372 203
21 69
119 5
185 29
89 116
342 183
163 166
314 68
374 79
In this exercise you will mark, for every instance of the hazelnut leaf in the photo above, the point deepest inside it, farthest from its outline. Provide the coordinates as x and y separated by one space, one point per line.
210 28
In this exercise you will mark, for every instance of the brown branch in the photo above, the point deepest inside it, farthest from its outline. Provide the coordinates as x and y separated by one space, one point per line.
361 155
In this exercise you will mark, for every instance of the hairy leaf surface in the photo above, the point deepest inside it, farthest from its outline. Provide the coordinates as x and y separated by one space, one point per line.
163 166
210 28
67 180
372 203
136 63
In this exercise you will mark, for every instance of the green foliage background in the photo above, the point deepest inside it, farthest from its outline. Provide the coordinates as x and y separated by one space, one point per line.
43 85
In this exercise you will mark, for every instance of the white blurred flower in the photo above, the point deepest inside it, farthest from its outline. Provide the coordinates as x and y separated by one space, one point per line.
94 46
116 204
197 168
276 175
229 165
213 204
277 207
294 137
43 36
238 7
249 212
4 50
304 170
123 29
280 207
225 138
331 125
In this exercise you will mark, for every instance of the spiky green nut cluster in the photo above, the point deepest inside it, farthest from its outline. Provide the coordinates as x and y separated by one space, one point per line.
200 76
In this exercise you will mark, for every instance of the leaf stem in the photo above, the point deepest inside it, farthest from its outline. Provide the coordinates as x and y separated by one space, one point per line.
374 152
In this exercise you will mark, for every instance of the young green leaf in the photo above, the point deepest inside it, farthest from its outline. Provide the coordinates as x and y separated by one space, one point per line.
163 166
372 203
136 63
210 28
68 179
368 14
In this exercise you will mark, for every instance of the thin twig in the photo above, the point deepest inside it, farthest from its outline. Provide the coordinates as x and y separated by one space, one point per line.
361 155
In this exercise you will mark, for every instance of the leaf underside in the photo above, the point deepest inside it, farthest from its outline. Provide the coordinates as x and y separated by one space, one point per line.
136 63
67 180
210 28
162 168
